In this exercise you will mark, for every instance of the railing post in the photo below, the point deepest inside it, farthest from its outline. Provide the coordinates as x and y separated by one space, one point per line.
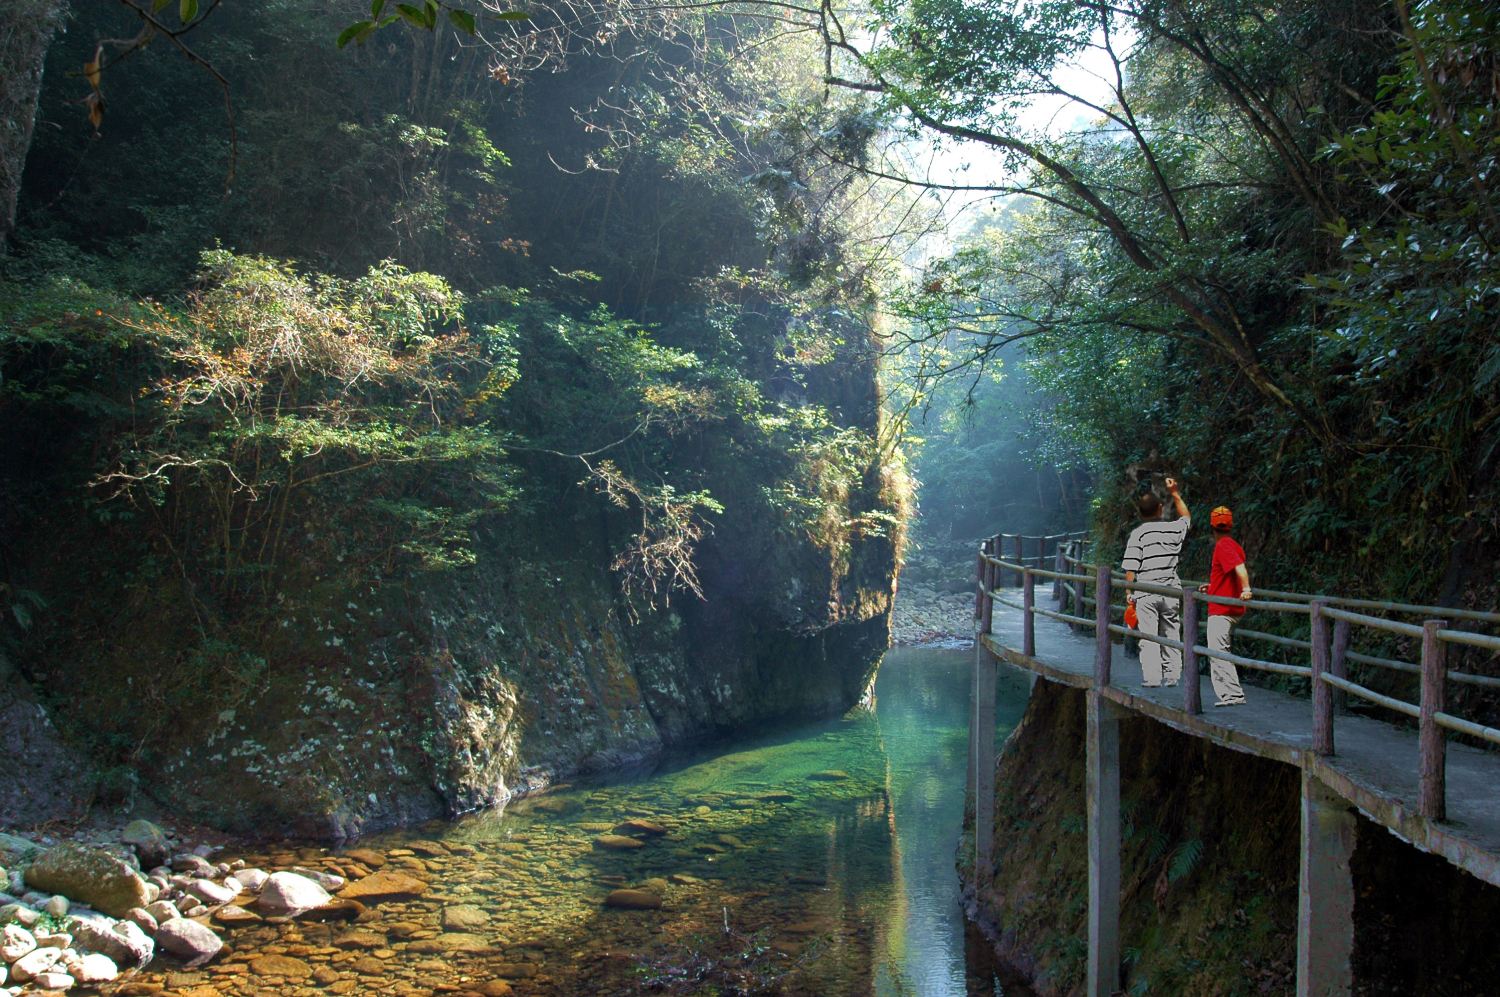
1020 554
1322 692
979 580
1338 661
1057 566
1430 735
1192 691
1102 646
1028 620
988 575
1077 585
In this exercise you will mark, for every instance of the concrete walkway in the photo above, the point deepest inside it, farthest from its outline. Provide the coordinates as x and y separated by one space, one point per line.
1374 766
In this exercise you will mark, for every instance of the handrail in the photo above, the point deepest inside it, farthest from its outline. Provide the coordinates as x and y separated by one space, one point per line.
1447 612
1400 706
1329 652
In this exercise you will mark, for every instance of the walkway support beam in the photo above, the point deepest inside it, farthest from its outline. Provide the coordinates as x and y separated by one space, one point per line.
1325 893
1102 646
1104 845
982 724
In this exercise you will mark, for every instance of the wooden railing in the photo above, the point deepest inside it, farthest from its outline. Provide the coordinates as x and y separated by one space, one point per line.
1331 620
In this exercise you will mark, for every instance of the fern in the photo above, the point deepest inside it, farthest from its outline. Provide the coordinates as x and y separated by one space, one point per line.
1185 860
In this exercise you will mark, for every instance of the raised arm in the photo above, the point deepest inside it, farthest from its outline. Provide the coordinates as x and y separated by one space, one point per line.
1177 502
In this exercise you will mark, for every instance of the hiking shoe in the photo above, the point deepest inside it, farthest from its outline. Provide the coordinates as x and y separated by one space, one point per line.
1232 702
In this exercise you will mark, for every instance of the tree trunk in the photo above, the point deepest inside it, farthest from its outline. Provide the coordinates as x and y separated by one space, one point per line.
26 30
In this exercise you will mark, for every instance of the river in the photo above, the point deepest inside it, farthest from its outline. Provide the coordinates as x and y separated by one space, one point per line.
818 860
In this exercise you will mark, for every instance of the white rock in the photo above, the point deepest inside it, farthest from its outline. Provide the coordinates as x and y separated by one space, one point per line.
20 913
53 940
211 893
15 941
34 962
153 891
189 941
56 906
53 981
122 941
327 880
252 879
163 910
142 919
97 968
288 894
4 973
233 883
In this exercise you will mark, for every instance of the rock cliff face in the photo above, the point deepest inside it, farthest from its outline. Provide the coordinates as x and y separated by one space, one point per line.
347 701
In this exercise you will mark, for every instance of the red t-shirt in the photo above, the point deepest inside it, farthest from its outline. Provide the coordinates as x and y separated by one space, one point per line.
1222 579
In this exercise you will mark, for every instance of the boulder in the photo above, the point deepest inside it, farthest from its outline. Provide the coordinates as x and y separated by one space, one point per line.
327 880
252 879
53 980
286 894
149 841
617 842
366 856
385 885
633 900
286 966
89 876
211 893
464 917
95 967
636 825
122 941
15 941
34 962
189 941
14 848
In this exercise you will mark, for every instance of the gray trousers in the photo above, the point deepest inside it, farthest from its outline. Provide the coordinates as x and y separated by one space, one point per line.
1160 615
1225 678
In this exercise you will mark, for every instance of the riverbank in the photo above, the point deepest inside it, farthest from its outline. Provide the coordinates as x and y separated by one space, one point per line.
811 860
927 617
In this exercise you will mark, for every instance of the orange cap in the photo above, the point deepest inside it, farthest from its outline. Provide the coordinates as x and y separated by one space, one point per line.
1221 516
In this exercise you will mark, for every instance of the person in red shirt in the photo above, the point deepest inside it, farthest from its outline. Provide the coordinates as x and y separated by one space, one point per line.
1228 577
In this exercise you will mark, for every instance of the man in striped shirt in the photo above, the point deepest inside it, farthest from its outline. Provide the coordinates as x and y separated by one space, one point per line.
1151 556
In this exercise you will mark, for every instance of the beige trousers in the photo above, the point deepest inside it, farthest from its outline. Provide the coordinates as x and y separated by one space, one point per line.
1160 615
1225 678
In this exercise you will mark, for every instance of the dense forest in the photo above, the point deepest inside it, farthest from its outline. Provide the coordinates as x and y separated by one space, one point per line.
407 406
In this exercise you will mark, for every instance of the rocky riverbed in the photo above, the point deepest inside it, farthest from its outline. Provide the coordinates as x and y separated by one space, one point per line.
737 867
928 617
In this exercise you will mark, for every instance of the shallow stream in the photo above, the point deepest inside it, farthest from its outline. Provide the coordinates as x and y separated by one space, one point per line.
816 861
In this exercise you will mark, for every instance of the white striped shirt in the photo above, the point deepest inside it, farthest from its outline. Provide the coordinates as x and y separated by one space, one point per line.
1153 549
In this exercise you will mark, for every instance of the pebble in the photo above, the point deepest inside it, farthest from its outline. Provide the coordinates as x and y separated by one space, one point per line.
617 842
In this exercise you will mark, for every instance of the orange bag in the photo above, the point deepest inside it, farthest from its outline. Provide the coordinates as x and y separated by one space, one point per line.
1131 620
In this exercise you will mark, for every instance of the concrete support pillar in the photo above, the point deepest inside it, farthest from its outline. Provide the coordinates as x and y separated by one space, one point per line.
982 737
1325 894
1104 845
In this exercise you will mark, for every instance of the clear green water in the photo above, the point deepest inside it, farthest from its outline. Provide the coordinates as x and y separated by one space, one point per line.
827 853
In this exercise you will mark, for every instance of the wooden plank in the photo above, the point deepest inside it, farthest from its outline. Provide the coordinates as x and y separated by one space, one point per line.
1322 693
1028 619
1192 688
1338 662
1432 743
